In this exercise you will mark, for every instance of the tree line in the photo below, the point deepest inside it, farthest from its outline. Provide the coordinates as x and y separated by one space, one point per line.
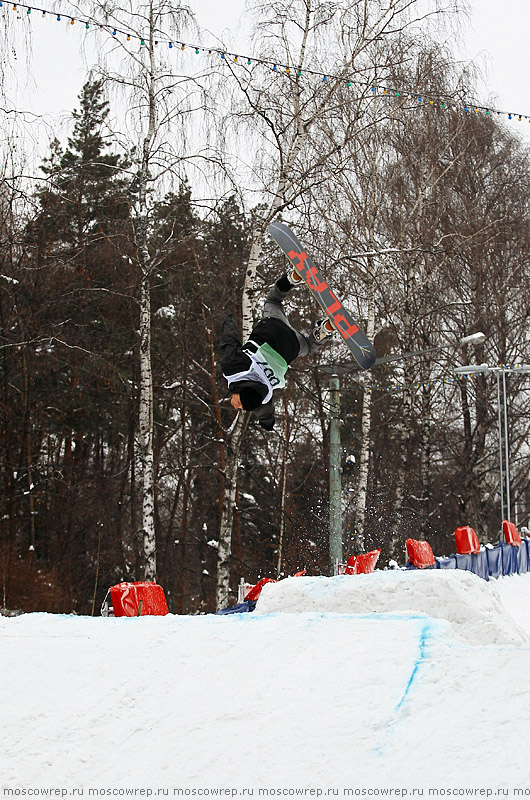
120 457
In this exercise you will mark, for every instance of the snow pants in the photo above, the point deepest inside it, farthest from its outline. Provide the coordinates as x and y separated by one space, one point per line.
273 307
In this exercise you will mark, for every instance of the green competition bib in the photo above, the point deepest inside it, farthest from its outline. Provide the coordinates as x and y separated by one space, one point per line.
272 364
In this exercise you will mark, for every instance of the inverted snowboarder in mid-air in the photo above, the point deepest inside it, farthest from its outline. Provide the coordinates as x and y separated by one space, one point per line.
255 369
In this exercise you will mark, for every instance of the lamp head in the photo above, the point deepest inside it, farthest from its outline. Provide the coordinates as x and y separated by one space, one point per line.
471 369
474 338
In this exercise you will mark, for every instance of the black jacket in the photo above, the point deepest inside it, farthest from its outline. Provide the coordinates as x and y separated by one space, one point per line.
233 360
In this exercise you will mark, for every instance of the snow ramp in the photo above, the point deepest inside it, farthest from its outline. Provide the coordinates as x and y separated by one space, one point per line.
472 606
275 704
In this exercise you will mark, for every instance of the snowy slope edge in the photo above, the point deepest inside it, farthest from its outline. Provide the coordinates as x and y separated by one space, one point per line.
472 606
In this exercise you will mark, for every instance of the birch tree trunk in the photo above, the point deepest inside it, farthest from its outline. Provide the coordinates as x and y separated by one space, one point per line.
248 305
364 450
146 432
373 151
224 552
155 101
146 372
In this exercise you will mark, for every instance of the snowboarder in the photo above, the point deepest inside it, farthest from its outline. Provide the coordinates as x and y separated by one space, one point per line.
254 370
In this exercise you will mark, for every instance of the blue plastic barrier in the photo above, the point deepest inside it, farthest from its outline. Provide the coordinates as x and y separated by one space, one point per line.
479 564
463 561
522 557
509 558
493 562
240 608
446 563
494 559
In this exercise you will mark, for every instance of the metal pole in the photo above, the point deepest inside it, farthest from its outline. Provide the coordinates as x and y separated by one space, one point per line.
507 458
335 489
499 423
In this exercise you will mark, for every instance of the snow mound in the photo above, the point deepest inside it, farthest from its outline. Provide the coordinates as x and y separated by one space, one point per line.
472 605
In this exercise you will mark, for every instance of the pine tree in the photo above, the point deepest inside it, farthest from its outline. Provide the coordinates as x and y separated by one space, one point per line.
78 305
84 179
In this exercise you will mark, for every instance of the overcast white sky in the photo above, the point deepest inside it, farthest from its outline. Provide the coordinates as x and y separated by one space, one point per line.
496 39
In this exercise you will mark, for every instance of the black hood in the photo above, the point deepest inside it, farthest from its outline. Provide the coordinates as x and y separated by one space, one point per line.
251 393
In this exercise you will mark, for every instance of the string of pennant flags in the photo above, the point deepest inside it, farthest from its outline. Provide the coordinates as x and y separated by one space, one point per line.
443 380
422 99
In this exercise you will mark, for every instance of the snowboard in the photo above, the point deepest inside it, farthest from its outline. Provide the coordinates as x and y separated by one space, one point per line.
355 339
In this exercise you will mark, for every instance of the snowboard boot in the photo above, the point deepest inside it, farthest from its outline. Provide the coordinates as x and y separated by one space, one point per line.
294 278
288 281
323 330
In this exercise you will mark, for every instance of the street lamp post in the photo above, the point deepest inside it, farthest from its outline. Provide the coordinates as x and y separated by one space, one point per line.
506 447
498 370
335 488
499 430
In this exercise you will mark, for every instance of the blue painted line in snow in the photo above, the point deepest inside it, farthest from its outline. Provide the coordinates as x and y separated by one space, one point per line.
422 656
390 727
376 616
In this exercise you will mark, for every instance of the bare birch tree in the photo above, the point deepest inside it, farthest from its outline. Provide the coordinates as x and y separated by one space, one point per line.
350 204
154 98
367 234
281 102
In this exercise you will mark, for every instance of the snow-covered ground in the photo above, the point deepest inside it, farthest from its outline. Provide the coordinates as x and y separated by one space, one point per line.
348 686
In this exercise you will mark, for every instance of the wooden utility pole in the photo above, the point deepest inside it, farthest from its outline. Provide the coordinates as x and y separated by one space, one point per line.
335 489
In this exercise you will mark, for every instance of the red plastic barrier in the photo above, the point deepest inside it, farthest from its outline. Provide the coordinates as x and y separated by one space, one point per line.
466 540
511 534
362 564
420 553
127 597
255 592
